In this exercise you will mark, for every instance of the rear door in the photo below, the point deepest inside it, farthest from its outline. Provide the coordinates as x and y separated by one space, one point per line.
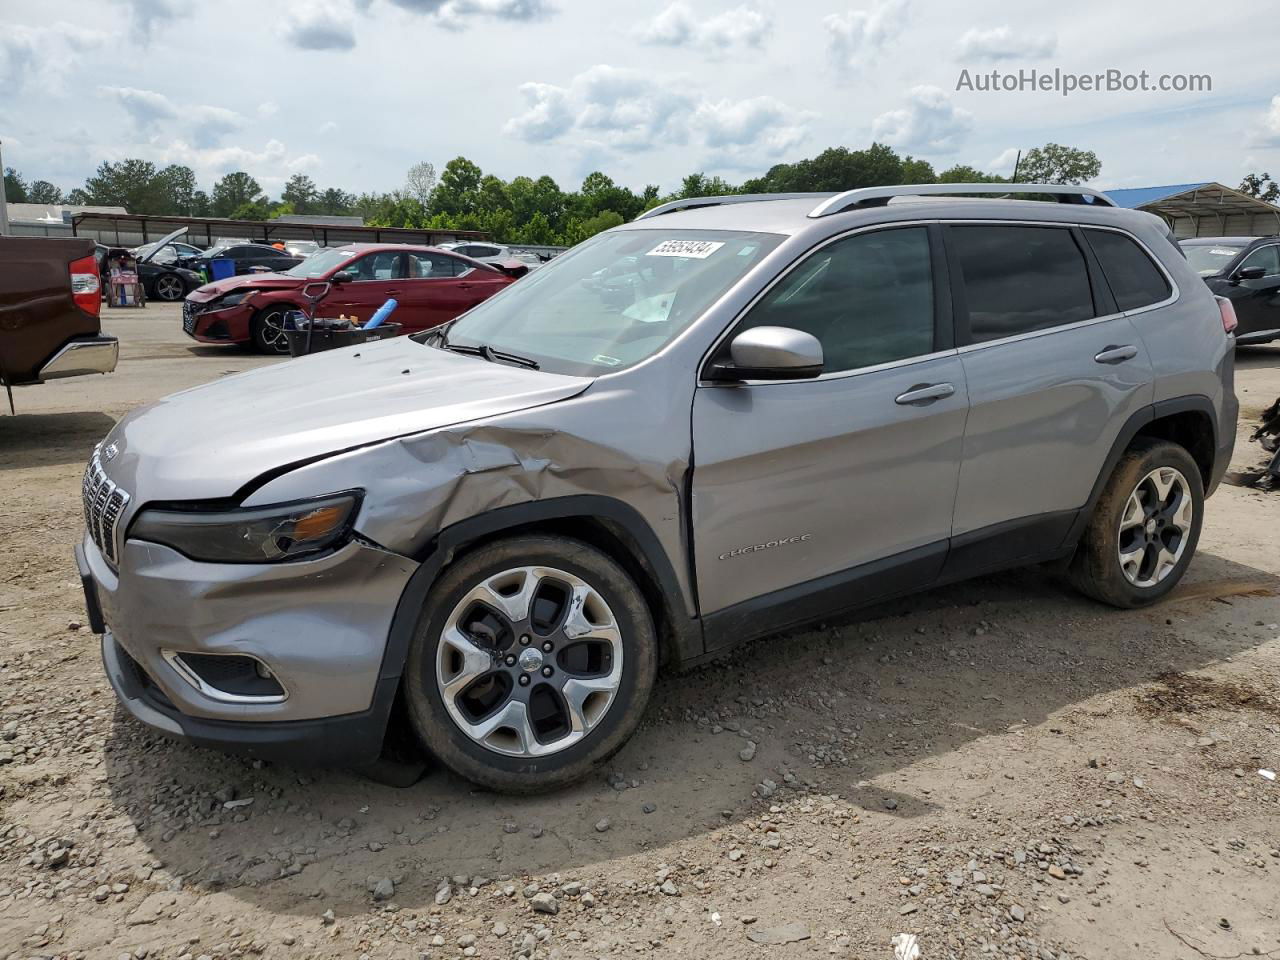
1054 370
834 490
439 287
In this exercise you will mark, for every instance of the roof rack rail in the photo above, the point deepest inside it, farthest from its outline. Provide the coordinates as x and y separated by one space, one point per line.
879 196
692 203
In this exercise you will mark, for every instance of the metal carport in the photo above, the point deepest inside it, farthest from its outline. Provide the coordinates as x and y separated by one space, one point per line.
1203 209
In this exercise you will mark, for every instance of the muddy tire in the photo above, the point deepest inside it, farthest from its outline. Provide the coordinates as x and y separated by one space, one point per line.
532 664
1144 528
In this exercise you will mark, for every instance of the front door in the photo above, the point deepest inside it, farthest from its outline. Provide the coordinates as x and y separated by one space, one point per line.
376 278
1257 302
838 488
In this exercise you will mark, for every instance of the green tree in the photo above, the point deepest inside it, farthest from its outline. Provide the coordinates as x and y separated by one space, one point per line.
336 202
15 188
42 191
963 173
238 192
176 189
700 185
1054 163
301 193
835 169
132 184
200 205
458 191
917 171
1258 185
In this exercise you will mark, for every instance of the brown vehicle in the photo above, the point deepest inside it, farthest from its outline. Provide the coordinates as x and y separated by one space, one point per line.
50 301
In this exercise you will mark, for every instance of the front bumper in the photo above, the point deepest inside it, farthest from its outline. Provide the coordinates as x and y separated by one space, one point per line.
229 325
82 356
320 626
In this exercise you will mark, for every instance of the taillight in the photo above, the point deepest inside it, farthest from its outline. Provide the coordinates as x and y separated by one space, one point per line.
1229 321
85 284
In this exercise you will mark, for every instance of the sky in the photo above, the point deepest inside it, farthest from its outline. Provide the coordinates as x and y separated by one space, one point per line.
353 92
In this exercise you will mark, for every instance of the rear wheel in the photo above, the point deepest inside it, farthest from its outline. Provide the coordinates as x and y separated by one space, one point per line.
532 665
267 330
169 286
1145 527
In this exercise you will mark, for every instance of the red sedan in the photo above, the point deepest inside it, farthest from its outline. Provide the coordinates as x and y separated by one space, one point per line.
431 287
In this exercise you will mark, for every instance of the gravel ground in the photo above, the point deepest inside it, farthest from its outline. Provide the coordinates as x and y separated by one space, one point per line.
999 767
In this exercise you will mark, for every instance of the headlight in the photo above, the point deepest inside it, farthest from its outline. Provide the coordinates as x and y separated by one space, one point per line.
285 531
233 298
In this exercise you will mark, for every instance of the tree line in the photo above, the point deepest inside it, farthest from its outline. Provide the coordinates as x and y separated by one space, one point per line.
524 209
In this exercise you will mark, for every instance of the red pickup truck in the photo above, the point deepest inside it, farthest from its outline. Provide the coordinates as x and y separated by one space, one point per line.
50 301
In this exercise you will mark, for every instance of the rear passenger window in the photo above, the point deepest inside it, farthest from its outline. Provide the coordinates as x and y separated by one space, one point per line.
1020 279
1134 280
868 299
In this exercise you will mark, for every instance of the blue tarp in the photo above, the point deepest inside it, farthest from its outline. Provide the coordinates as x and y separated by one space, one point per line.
1140 196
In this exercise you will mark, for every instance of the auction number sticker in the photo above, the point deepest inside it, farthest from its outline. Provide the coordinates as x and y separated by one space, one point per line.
693 249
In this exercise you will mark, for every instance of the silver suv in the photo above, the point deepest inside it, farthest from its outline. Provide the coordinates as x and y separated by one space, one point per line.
782 408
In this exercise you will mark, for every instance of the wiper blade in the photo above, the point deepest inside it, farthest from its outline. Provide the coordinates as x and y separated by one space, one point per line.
486 352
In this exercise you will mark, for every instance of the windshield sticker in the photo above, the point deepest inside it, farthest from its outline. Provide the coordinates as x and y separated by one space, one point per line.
1223 252
607 361
693 249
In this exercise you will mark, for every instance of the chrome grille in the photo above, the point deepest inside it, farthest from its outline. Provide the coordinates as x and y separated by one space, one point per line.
104 504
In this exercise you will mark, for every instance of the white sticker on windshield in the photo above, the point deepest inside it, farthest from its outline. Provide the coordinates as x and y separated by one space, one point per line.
693 249
1223 252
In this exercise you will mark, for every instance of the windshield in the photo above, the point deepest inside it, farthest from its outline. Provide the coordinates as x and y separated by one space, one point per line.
1207 259
614 300
320 264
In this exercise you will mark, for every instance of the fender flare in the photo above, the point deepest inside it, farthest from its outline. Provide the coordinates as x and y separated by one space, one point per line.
1131 428
687 632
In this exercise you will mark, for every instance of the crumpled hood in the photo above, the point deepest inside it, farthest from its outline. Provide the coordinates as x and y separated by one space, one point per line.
210 441
258 281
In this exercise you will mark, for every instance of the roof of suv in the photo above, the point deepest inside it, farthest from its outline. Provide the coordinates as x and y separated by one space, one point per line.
1207 241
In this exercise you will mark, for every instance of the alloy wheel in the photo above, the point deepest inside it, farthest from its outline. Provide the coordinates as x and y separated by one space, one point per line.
274 339
1155 526
168 287
529 661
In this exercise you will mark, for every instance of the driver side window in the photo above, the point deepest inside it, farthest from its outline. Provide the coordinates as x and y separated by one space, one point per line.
388 265
1267 257
867 298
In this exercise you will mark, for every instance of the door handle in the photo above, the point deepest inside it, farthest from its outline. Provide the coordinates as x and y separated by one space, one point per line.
1116 354
464 285
924 393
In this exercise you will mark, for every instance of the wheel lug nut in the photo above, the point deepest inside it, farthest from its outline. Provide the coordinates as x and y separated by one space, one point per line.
524 640
547 671
546 647
524 679
511 661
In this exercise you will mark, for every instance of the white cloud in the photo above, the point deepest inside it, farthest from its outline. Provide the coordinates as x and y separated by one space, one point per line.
269 165
856 38
928 124
268 108
1004 163
319 25
150 110
610 108
43 55
148 17
745 26
457 14
1267 132
1002 43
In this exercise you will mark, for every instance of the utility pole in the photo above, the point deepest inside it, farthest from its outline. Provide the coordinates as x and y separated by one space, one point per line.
4 206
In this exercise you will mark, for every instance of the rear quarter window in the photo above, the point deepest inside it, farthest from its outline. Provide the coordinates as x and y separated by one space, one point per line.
1134 279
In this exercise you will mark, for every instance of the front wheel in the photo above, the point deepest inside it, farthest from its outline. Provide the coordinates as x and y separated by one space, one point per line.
169 287
532 664
268 333
1145 527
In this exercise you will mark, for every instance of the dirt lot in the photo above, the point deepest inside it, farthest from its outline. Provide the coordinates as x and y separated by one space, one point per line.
999 767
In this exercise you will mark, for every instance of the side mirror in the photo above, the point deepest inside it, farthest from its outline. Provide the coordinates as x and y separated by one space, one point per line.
770 353
1249 273
342 276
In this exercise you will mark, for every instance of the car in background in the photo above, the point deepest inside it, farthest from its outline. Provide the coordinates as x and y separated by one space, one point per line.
302 248
162 252
1245 270
165 281
50 310
247 257
502 257
431 286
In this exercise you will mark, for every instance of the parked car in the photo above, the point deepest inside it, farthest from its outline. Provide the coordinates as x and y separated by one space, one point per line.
811 404
50 305
430 286
514 264
1245 270
161 252
302 248
247 257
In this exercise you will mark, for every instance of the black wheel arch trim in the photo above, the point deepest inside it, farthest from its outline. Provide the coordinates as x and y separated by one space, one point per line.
686 631
1197 403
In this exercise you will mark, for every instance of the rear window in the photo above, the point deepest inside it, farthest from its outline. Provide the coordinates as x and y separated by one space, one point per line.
1134 280
1020 279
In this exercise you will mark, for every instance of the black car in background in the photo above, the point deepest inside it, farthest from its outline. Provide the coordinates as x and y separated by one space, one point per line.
1245 270
248 258
161 280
